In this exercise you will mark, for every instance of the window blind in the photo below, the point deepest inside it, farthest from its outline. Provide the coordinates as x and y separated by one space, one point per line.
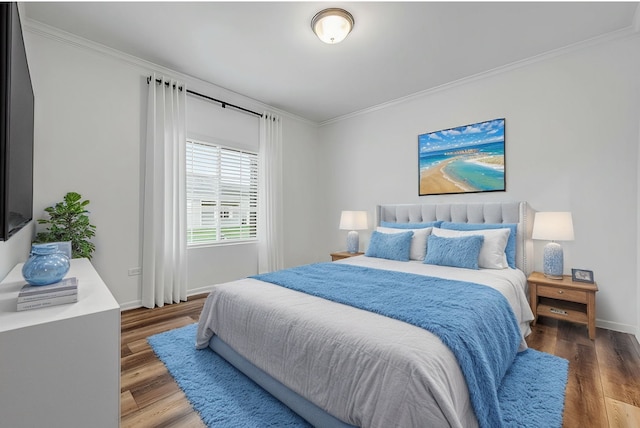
222 194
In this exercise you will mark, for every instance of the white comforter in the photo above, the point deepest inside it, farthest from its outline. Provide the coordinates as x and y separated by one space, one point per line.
365 369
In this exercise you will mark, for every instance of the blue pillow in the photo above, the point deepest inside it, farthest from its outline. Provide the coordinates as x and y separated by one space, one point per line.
410 225
460 252
392 246
510 250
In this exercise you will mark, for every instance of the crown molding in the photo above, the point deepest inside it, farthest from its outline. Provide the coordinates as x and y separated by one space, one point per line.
147 67
615 35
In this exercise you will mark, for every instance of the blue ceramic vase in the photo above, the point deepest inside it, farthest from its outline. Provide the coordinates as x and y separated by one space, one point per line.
45 265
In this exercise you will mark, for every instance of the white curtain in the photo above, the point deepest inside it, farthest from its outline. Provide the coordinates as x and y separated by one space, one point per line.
164 248
270 247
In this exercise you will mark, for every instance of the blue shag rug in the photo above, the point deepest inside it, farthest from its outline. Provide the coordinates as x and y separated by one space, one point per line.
532 394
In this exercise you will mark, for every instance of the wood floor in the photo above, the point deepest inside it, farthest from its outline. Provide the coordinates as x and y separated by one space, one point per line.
603 388
149 397
604 374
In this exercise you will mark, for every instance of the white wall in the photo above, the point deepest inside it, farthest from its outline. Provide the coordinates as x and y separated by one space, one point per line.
304 193
89 132
571 145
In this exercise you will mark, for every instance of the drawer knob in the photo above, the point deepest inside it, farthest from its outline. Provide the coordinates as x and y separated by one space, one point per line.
560 291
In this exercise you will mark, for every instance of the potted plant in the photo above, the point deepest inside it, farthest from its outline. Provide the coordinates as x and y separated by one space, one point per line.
68 221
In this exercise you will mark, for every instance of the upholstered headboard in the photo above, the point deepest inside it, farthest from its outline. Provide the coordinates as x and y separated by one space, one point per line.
490 212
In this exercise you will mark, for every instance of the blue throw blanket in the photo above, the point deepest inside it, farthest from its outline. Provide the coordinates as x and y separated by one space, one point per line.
480 328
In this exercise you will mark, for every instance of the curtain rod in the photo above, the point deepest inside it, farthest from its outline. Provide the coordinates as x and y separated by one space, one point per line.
223 104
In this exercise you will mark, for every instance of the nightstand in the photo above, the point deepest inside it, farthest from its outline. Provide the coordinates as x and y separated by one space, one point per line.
563 299
343 255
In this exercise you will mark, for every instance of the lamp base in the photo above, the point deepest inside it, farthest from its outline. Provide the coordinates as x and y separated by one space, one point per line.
553 261
353 242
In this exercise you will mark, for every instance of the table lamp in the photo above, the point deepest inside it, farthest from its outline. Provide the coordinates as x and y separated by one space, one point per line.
353 221
553 226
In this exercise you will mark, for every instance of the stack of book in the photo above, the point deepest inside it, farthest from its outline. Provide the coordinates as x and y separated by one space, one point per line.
41 296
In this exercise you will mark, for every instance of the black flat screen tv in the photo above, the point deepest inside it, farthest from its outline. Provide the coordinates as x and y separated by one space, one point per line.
16 126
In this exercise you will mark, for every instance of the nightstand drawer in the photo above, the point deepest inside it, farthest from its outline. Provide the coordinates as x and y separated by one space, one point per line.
562 294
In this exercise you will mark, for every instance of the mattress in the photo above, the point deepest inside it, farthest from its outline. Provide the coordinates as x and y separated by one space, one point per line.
365 369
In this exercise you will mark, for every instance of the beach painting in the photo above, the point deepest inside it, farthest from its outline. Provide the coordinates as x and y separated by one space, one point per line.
465 159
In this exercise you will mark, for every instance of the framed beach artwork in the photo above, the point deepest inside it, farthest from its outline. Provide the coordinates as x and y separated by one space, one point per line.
466 159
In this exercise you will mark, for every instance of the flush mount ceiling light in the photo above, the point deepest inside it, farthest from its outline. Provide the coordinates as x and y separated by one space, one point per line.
332 25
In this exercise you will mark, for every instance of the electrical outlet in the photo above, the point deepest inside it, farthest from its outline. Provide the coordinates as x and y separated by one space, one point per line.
134 271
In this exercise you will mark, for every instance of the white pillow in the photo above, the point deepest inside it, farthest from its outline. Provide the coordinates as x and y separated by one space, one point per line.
418 242
492 255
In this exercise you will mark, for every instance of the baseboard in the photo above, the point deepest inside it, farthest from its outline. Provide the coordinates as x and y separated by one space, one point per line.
200 290
130 305
622 328
138 303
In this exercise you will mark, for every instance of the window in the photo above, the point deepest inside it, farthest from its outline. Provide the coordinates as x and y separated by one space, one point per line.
222 194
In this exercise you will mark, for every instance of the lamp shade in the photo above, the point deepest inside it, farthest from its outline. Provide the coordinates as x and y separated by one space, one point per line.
353 220
332 25
553 226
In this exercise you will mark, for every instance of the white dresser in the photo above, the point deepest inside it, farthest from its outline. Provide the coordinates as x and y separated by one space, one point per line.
60 366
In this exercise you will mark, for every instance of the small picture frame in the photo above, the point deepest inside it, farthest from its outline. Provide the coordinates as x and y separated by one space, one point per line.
582 275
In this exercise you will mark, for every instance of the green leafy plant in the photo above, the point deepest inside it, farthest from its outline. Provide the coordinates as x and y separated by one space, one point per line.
68 221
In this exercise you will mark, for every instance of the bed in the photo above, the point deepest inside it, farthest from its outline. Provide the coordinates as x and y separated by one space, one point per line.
338 365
